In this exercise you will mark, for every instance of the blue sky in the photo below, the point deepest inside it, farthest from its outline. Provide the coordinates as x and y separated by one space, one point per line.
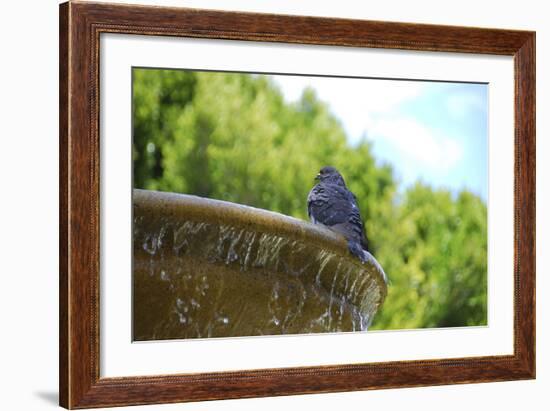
428 131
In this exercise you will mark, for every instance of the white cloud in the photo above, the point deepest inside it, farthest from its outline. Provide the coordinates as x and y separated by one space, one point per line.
354 101
373 106
418 143
462 104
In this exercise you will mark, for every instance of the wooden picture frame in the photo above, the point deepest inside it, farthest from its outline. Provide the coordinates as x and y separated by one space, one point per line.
80 27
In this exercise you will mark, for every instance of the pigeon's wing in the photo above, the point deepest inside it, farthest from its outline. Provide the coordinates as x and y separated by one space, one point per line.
336 207
352 227
319 202
356 220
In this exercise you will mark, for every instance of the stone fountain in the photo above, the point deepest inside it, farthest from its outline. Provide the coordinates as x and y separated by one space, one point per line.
207 268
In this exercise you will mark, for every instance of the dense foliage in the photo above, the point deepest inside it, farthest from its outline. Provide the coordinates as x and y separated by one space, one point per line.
233 137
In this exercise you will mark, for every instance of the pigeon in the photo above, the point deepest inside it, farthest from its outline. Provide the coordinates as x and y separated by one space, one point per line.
331 204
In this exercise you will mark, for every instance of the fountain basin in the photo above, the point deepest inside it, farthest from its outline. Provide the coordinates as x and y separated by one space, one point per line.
206 268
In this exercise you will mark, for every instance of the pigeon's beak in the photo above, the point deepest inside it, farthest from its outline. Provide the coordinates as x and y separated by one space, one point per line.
318 177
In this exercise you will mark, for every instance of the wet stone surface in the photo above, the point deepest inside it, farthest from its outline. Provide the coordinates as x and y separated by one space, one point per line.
206 268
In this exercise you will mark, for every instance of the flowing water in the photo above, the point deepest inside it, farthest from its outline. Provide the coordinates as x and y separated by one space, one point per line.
205 268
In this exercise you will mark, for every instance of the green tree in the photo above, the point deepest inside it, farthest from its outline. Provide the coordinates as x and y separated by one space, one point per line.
233 137
159 96
436 255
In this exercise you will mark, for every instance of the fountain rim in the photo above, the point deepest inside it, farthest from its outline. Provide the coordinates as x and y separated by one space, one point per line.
257 219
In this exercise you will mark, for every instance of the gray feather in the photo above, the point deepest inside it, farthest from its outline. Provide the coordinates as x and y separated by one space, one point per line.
330 203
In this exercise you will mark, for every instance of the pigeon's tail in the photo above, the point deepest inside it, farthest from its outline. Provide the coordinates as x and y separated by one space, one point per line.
358 251
364 256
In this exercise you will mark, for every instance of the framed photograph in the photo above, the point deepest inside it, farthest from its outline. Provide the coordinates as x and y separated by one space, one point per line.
258 205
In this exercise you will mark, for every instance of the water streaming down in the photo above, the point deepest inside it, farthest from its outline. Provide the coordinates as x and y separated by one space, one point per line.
207 268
